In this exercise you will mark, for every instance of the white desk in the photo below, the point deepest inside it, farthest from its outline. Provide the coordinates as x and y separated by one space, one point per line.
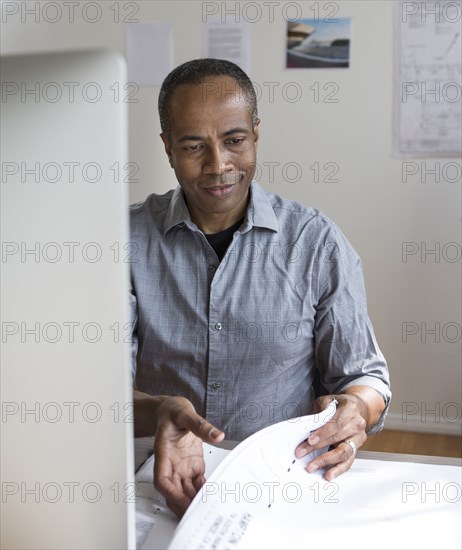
371 487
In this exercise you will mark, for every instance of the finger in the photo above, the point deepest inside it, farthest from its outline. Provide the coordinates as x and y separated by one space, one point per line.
188 488
341 457
166 482
330 434
327 434
175 498
339 469
198 481
200 427
177 507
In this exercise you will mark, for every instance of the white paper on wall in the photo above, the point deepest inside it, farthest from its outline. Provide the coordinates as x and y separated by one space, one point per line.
149 52
428 79
227 40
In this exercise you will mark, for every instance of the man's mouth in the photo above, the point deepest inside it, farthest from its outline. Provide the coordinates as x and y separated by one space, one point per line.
220 190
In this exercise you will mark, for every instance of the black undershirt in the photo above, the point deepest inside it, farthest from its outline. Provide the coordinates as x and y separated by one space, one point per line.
220 241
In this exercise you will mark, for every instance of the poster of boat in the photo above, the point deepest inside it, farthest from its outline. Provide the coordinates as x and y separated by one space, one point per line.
315 44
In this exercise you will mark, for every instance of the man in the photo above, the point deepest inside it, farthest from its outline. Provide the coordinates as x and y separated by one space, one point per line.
240 296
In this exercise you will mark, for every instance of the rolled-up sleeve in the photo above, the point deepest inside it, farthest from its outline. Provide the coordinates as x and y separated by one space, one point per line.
347 353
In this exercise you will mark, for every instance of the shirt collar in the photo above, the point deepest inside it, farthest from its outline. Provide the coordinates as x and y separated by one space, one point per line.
177 213
259 213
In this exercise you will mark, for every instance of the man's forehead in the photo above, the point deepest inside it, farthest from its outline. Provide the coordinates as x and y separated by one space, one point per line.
221 127
211 89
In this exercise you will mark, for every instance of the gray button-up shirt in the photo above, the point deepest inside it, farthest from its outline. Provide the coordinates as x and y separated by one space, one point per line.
241 338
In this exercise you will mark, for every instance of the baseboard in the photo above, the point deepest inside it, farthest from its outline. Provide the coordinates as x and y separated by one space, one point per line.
394 421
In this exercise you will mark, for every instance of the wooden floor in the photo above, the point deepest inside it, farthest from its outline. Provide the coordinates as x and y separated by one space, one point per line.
394 441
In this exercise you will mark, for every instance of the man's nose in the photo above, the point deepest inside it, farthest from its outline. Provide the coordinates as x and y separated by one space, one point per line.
215 163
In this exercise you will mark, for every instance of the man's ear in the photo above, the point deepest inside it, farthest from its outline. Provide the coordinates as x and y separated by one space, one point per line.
167 147
256 132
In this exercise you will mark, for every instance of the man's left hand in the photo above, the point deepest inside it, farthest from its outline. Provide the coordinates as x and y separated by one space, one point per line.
357 411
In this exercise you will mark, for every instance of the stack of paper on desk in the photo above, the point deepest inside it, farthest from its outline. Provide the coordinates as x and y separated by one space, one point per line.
259 496
155 523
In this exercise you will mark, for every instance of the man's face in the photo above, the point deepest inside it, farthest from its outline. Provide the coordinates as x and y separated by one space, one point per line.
212 148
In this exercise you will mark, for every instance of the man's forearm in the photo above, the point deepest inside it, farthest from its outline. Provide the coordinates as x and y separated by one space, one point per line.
370 403
145 407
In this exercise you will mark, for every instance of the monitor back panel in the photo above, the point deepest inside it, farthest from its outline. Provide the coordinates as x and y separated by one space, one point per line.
66 462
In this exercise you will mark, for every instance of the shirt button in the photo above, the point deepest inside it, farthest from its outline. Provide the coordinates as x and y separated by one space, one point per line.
216 385
211 268
218 326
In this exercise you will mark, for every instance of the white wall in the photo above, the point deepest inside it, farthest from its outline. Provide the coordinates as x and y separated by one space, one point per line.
377 210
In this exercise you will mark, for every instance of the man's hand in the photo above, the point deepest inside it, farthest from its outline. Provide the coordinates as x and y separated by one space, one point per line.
179 461
359 408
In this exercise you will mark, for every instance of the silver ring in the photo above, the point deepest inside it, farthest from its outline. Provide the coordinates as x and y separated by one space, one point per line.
352 445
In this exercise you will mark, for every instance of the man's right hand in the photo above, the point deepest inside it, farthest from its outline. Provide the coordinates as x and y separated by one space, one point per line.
179 460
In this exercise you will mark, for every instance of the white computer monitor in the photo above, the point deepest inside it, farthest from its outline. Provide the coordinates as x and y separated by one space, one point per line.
66 427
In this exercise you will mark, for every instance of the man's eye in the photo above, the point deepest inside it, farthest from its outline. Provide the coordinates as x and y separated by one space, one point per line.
235 141
196 147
